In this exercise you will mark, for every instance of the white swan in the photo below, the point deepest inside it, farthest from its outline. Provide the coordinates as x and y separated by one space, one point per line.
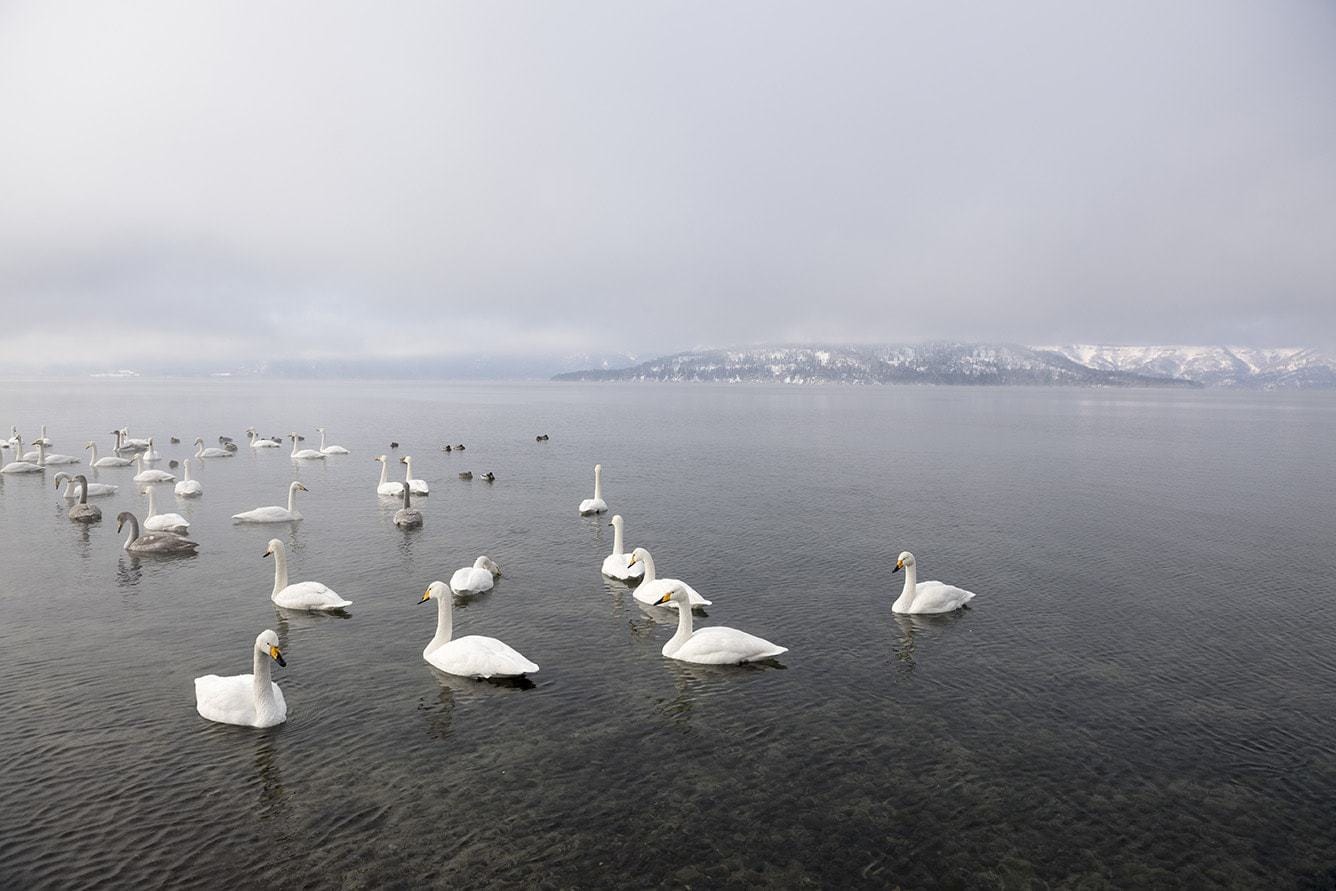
419 487
42 438
716 645
202 452
304 454
301 595
407 517
13 438
20 466
94 490
470 656
147 475
83 512
152 542
595 505
156 522
251 700
150 453
476 578
109 461
387 487
188 488
137 445
926 597
274 513
48 460
651 589
330 450
259 442
617 565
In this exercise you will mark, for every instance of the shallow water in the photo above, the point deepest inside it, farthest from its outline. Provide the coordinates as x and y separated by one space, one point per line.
1141 694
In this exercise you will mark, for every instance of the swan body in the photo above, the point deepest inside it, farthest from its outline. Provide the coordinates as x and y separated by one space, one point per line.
618 565
202 452
109 461
83 512
153 542
595 505
926 597
407 517
188 488
471 656
419 487
20 466
387 487
150 453
156 522
300 595
330 450
652 589
47 460
148 475
476 578
91 490
259 442
137 445
304 454
250 700
716 645
274 513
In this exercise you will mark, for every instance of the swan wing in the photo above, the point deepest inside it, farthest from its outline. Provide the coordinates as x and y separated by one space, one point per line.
271 514
479 657
939 597
651 592
724 646
396 489
593 506
471 580
614 566
231 700
308 596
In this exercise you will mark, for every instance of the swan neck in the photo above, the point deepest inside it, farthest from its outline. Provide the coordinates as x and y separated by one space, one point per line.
322 440
292 498
134 531
408 469
649 575
598 483
262 685
93 448
83 490
280 570
384 472
617 543
444 622
910 588
152 503
186 472
683 624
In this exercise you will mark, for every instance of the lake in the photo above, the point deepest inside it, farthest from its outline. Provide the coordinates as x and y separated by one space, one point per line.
1140 694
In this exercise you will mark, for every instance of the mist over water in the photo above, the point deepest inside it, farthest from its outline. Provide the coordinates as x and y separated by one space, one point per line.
1138 695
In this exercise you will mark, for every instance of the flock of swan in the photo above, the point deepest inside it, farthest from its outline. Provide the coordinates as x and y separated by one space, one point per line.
254 700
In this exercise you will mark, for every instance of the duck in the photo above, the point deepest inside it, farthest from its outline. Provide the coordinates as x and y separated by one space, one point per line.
156 522
471 656
595 505
304 454
274 513
189 488
489 477
332 449
108 461
312 596
447 448
83 512
618 565
651 589
201 452
477 578
407 517
20 466
716 645
247 700
92 490
419 487
920 598
174 440
387 487
146 475
466 475
152 542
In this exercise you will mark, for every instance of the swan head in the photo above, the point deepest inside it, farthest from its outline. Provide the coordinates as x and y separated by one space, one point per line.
677 594
122 517
275 546
61 477
405 459
436 590
298 487
639 555
485 562
88 445
906 559
616 520
267 643
199 440
381 458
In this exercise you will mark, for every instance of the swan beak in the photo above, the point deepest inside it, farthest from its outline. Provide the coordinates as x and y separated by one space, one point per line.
426 595
266 553
899 565
277 655
664 599
634 559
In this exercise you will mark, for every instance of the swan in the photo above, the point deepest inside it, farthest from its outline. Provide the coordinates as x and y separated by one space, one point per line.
94 490
259 442
137 445
42 438
46 460
150 453
251 700
305 454
188 488
201 452
330 450
617 565
407 516
20 466
83 512
274 513
152 542
716 645
651 588
419 487
156 522
302 595
476 578
146 475
926 597
109 461
470 656
387 487
13 438
595 505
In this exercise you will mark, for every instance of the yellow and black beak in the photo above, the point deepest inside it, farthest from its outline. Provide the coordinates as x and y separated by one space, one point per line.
426 595
277 655
634 559
899 565
664 599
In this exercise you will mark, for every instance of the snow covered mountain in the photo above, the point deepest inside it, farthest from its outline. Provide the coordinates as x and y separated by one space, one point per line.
997 364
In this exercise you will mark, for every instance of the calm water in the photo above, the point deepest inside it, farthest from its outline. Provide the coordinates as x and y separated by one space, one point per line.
1142 693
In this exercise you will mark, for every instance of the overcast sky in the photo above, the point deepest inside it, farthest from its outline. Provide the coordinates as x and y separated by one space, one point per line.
195 179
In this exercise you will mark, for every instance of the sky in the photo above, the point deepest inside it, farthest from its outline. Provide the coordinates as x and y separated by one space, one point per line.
220 181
